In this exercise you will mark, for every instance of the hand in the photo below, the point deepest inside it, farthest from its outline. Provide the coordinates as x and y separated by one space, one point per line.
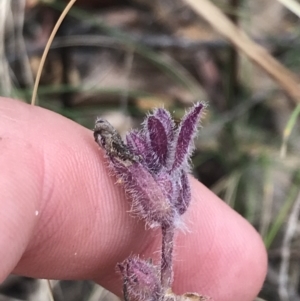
63 217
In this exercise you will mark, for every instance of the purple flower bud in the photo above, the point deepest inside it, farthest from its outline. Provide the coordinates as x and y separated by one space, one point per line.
160 130
141 279
184 138
184 197
137 142
152 165
158 138
168 123
150 199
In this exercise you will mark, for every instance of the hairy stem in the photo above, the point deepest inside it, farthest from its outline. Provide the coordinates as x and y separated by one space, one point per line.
168 233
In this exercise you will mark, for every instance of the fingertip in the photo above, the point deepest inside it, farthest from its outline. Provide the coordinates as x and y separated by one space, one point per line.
19 187
83 227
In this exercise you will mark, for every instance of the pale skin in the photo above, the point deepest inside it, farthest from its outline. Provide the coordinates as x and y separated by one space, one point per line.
63 217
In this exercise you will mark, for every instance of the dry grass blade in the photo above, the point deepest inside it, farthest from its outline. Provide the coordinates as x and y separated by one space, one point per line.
214 16
293 192
288 130
50 40
231 191
268 200
50 291
42 292
292 5
292 224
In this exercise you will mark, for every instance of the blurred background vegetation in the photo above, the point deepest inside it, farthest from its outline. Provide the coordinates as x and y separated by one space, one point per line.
121 58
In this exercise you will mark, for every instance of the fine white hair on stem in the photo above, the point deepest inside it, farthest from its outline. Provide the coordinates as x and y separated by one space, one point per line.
283 285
